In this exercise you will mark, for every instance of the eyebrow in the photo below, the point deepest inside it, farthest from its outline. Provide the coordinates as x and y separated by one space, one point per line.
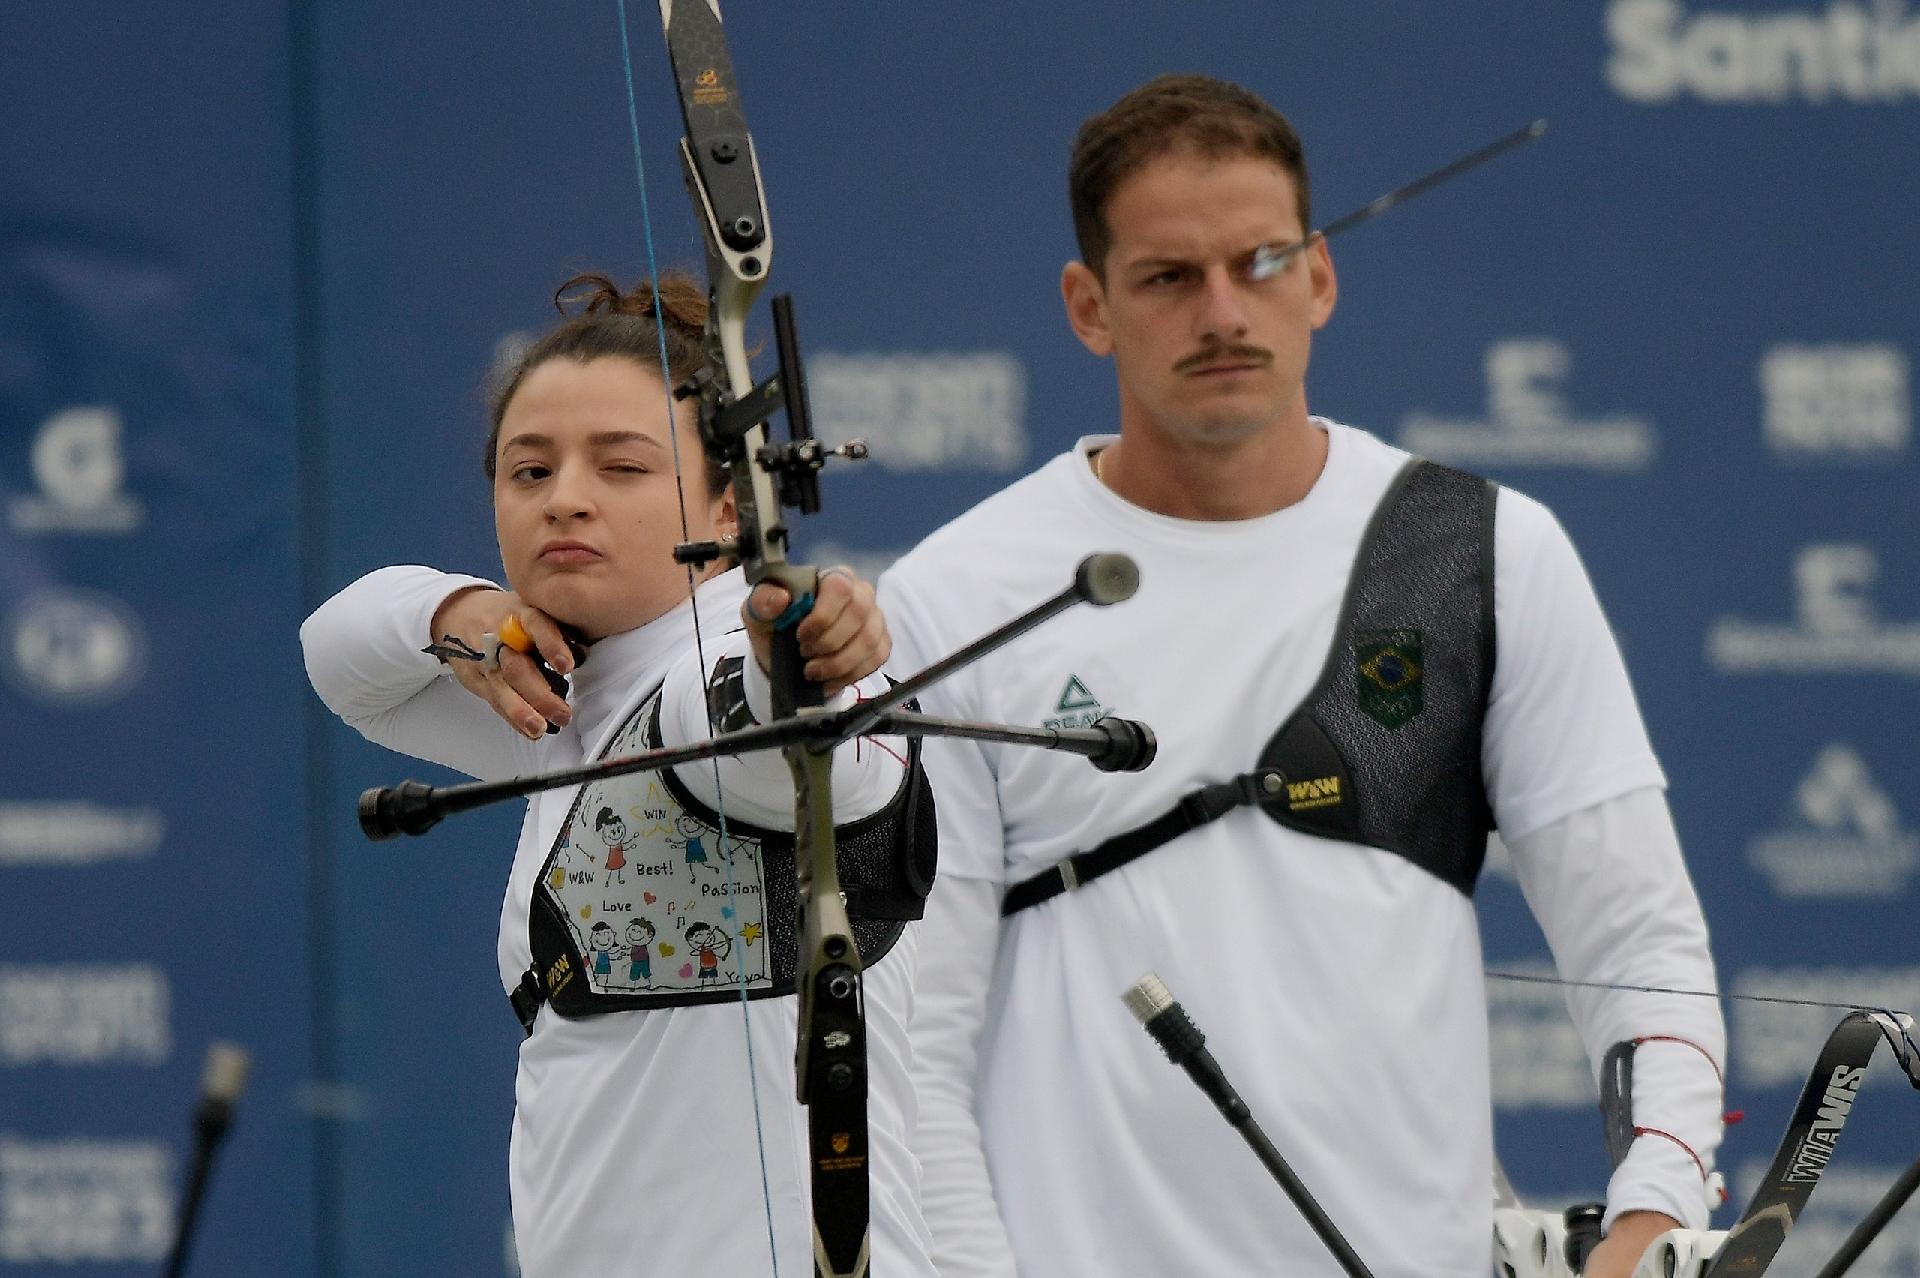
1162 261
1157 262
599 439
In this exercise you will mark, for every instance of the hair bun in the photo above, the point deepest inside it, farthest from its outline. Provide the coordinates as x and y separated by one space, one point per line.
681 299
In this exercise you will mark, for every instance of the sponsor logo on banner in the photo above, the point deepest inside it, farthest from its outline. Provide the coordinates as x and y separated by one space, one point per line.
508 350
1539 1060
71 1201
72 647
1863 51
75 1014
924 412
78 467
1774 1044
342 1102
1840 403
1838 630
333 1100
1848 839
1528 421
73 833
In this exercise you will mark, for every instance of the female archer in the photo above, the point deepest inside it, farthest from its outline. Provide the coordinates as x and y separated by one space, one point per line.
588 505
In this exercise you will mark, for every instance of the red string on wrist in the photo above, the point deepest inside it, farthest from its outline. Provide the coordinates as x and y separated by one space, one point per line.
1686 1042
1655 1131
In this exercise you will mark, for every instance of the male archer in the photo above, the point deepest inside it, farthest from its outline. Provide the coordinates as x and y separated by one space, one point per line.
1396 658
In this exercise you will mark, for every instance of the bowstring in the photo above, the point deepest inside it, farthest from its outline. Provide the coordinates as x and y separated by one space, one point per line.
737 953
1526 978
1903 1021
1909 1060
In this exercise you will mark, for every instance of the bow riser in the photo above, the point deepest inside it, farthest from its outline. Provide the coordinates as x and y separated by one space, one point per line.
722 173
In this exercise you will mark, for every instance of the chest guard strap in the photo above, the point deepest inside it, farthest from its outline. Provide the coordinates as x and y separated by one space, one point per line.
1385 750
633 910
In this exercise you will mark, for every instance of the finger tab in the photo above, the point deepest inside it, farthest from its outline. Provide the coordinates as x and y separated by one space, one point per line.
514 635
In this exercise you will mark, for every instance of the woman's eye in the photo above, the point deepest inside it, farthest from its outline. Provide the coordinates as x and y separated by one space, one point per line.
530 472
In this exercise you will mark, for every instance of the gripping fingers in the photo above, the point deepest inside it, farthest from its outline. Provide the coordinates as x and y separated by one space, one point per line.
842 635
848 639
519 692
531 629
848 665
841 606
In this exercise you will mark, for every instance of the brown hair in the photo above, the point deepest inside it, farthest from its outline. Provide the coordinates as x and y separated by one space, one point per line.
603 322
1213 118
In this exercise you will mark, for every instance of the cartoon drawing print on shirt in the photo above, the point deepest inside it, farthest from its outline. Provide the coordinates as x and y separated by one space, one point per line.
611 872
640 935
692 842
613 832
651 816
709 945
733 846
600 941
563 869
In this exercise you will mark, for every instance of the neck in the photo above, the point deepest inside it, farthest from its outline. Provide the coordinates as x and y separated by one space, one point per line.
1242 479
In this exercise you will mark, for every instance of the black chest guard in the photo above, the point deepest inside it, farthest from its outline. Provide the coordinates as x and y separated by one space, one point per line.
1385 750
647 899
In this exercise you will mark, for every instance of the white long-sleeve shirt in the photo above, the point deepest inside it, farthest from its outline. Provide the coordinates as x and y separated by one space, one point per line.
1340 986
634 1147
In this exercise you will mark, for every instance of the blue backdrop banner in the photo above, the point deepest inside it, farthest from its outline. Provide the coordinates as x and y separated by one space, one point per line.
256 262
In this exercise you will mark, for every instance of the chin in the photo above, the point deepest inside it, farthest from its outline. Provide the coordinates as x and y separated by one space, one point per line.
597 616
1224 432
569 604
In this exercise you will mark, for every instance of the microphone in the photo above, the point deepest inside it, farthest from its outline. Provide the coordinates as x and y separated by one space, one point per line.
1130 745
1186 1047
221 1084
224 1079
1154 1006
1106 579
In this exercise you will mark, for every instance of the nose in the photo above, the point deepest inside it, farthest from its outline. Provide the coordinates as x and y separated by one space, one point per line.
1223 315
569 496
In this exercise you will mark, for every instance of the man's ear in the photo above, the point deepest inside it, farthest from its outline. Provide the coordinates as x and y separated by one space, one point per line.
1086 302
1325 285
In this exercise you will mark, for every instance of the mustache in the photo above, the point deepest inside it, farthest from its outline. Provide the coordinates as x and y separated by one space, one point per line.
1253 355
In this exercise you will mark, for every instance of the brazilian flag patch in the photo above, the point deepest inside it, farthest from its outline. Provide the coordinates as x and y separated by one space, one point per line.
1388 665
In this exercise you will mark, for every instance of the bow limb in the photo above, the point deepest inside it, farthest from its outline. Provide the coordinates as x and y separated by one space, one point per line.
1812 1134
1529 1243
